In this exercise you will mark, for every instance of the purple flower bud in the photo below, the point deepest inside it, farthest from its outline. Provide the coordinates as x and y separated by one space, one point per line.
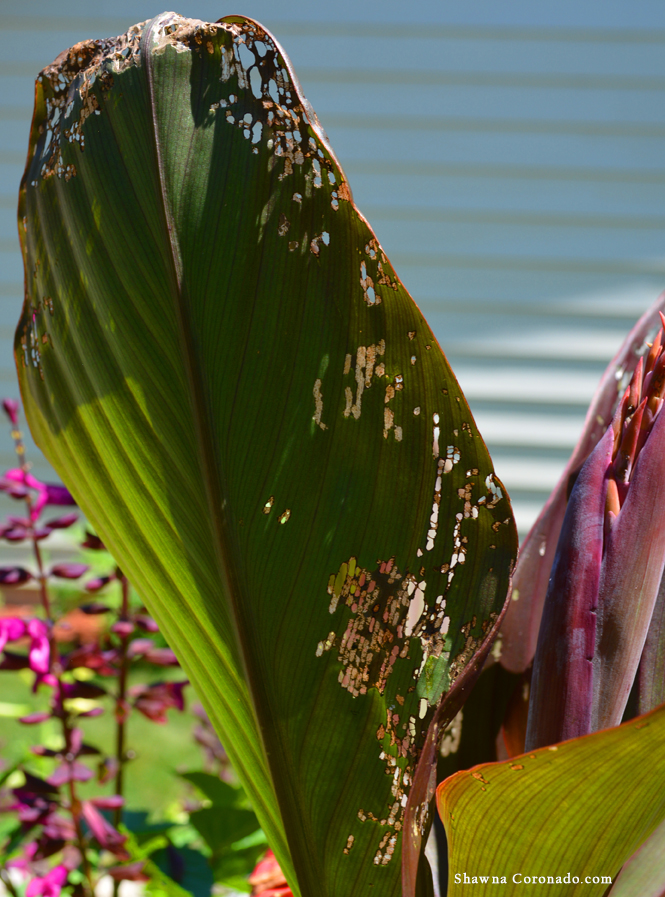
162 657
93 542
111 802
75 742
58 495
94 607
108 837
96 711
68 571
10 407
146 623
123 628
33 718
63 522
14 533
14 576
139 647
41 532
70 772
94 585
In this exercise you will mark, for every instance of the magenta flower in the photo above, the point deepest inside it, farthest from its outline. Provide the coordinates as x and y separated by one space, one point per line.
39 654
11 630
19 484
48 886
607 570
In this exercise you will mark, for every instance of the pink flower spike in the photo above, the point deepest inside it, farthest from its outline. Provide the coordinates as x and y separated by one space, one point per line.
10 407
11 629
40 652
48 886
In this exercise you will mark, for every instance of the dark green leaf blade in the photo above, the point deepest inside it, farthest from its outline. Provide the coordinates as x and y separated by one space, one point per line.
222 364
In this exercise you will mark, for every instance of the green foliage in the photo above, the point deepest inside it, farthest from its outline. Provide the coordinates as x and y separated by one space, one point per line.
582 807
221 363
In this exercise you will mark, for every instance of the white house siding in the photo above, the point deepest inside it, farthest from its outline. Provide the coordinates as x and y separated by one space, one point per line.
510 156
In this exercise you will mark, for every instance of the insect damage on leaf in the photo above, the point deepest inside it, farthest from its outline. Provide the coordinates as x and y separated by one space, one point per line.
390 628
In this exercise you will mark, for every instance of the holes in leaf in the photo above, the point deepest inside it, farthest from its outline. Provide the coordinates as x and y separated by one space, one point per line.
256 82
245 55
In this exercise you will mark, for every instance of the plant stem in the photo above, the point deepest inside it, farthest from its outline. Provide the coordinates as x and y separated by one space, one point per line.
121 712
122 694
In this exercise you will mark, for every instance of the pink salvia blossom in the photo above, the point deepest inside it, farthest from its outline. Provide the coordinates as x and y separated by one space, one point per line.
11 629
40 652
48 886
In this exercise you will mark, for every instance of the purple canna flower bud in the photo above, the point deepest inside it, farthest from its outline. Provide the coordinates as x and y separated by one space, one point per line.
10 407
607 570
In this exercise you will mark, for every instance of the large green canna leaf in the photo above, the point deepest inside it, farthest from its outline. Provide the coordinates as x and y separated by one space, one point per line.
578 809
220 361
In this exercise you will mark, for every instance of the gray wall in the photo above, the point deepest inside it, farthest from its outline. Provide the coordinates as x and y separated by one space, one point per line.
508 154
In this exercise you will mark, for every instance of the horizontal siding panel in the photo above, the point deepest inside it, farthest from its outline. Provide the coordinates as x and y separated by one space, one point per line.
515 174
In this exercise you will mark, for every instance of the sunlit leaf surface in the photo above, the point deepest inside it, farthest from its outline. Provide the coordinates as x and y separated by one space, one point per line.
580 808
223 366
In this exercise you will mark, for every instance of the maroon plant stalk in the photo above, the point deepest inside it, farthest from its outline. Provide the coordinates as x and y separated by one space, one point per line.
121 705
519 631
607 570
